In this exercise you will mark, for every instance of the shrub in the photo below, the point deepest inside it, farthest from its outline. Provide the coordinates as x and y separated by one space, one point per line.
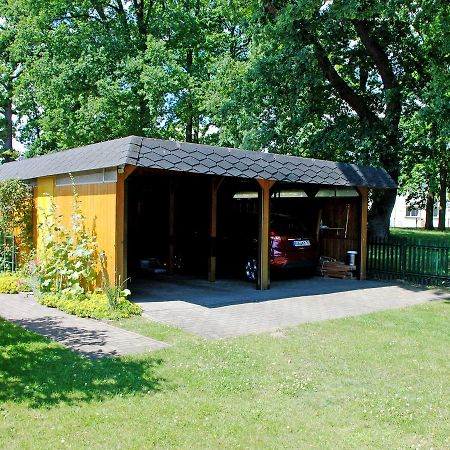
13 283
94 305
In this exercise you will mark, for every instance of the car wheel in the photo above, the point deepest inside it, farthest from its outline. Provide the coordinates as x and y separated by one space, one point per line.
251 270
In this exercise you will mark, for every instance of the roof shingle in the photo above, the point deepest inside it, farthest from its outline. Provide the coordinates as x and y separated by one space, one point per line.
197 158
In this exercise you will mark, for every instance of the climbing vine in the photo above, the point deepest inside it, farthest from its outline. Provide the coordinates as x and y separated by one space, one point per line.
16 213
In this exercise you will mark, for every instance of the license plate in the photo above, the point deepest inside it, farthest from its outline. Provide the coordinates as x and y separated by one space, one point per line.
304 243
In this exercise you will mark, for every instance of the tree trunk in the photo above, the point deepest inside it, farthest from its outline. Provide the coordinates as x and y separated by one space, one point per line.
190 114
8 141
189 128
196 132
143 115
383 201
429 212
380 213
443 178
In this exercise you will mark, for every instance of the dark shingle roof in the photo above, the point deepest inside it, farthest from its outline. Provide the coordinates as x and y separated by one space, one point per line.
95 156
196 158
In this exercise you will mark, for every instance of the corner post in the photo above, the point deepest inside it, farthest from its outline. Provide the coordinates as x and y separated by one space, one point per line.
263 281
121 271
363 192
212 259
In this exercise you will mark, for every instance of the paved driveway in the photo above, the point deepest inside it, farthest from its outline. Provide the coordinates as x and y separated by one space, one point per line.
235 308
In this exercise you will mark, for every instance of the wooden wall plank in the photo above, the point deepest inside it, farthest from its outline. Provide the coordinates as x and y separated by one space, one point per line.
98 204
172 190
333 240
44 193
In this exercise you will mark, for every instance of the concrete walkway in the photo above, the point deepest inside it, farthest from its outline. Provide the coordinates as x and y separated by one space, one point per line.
194 305
87 336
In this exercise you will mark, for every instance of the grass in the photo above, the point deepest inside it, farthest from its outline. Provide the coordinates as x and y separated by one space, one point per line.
374 381
422 235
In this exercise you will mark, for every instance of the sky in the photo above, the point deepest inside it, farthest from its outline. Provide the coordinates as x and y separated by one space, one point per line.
18 146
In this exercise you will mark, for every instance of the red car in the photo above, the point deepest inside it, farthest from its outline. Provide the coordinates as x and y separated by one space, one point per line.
291 247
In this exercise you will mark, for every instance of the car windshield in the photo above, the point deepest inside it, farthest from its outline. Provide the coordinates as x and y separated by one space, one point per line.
282 224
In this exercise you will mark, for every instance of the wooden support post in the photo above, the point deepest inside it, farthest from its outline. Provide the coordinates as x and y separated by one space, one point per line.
263 281
212 259
363 192
172 188
121 271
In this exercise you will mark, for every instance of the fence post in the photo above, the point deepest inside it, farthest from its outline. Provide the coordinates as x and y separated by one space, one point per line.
403 248
447 265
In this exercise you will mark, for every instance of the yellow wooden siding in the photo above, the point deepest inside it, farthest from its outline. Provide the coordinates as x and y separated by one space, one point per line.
43 194
98 205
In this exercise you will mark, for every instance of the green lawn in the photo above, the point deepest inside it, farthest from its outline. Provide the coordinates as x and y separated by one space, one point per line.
375 381
422 235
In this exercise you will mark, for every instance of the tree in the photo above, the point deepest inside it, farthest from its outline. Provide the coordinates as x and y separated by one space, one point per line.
82 71
331 79
426 164
351 81
99 70
9 70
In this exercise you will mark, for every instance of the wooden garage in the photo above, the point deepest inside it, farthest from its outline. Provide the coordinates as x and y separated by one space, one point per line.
191 185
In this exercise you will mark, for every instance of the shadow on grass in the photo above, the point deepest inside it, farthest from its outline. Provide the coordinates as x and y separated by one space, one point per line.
42 373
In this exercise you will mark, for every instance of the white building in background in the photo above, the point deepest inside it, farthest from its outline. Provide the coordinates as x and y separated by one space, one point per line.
404 216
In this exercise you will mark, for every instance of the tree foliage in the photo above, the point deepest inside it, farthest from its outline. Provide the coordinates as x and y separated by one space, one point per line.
358 81
98 70
426 164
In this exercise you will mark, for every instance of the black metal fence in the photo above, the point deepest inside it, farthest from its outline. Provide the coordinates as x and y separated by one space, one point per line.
424 263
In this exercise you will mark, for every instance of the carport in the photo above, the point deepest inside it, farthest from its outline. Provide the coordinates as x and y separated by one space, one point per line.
140 195
193 183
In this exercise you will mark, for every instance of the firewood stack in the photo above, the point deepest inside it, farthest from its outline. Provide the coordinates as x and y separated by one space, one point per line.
329 267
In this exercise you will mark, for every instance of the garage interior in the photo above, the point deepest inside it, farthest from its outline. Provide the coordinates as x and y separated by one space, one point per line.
207 226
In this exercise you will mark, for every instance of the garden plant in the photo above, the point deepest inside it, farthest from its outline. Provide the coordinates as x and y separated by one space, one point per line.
65 268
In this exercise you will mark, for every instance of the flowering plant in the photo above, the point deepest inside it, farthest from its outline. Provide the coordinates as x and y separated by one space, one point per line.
67 258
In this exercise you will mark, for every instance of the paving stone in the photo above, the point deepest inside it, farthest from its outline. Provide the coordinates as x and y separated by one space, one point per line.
89 337
234 308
